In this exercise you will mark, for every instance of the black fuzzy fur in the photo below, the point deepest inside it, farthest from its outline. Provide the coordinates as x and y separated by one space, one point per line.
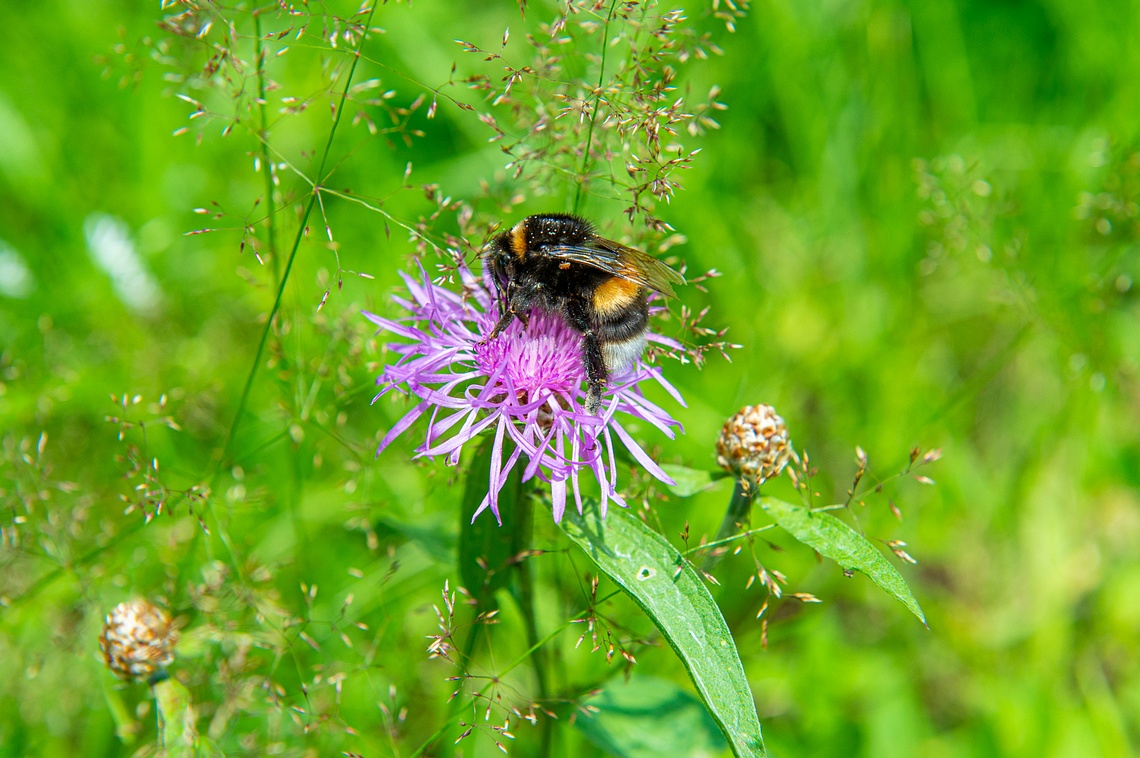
540 279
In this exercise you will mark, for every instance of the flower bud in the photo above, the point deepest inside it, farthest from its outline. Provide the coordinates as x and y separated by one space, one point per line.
137 640
754 444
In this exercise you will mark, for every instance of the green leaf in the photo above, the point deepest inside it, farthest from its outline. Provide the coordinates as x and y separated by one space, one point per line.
668 590
690 481
834 539
486 549
648 717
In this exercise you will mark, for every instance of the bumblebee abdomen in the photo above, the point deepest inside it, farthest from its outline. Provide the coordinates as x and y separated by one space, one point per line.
620 355
620 319
615 295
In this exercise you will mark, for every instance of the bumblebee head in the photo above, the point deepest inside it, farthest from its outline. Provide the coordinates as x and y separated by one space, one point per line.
498 256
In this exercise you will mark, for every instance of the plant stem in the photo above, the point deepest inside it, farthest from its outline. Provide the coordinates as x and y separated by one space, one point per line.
526 605
739 512
263 137
318 181
594 111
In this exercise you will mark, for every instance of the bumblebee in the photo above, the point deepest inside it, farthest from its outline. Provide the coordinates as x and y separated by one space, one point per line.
556 262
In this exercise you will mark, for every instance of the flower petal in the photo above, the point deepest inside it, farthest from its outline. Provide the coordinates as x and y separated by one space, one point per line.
528 383
642 457
401 426
558 498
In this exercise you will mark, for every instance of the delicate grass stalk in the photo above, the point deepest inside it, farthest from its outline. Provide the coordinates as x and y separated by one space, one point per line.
459 706
72 567
296 245
263 137
231 434
594 112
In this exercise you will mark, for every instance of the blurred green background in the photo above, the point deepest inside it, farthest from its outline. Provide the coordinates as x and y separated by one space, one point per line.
926 214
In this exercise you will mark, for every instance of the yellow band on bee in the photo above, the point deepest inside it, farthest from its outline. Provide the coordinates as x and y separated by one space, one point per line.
615 294
518 240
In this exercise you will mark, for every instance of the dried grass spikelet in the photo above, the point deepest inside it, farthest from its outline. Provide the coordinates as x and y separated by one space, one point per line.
138 639
754 444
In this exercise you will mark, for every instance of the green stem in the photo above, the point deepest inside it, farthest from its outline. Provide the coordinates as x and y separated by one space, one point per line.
525 600
739 513
319 180
594 112
177 719
224 457
460 705
263 137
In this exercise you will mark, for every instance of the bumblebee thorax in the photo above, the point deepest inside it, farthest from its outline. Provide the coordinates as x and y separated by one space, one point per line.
550 230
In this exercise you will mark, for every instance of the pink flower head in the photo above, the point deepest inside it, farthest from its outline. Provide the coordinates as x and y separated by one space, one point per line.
526 384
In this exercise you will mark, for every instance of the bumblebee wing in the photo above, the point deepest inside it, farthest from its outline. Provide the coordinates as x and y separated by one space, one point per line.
625 262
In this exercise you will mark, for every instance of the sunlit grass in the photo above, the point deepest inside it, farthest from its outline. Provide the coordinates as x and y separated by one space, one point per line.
926 219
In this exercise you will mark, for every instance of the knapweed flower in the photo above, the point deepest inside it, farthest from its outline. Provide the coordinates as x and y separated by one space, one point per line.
138 639
754 443
524 387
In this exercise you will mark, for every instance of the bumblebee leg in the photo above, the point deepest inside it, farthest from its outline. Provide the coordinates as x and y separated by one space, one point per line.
503 322
517 305
596 374
593 359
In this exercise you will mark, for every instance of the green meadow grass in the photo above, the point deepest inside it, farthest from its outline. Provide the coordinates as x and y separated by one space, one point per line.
926 219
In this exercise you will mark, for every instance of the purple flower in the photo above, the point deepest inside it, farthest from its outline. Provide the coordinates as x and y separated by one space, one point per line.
525 386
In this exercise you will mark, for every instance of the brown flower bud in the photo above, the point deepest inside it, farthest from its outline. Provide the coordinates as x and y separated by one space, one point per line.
754 444
137 639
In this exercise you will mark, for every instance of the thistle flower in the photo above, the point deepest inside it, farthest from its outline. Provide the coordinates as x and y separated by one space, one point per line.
754 443
524 387
138 639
